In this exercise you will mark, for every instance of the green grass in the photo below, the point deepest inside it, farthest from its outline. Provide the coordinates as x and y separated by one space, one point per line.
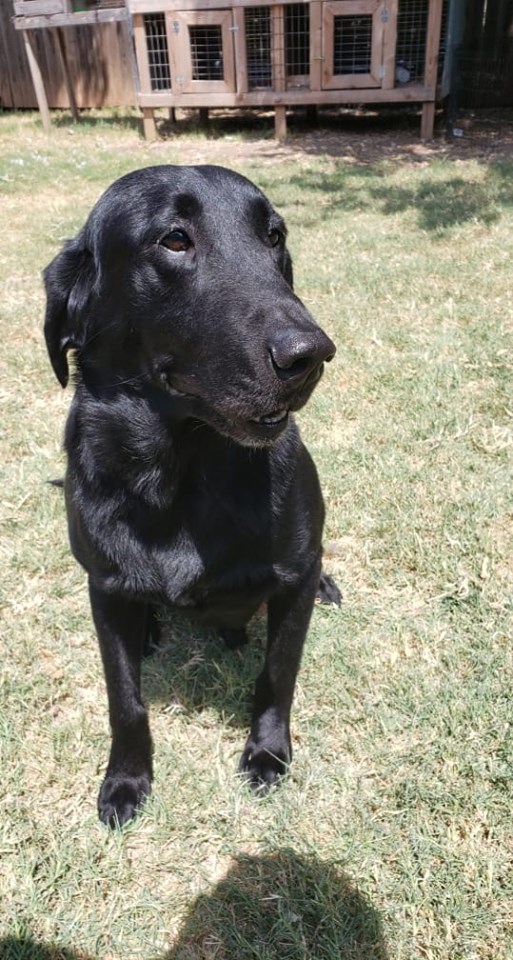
392 837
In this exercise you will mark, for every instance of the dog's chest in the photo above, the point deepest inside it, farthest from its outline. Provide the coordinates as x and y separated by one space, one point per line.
221 557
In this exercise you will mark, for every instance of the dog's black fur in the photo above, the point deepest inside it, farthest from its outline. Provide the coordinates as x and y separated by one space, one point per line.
187 482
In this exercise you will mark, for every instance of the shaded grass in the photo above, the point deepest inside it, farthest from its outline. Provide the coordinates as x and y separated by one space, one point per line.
392 835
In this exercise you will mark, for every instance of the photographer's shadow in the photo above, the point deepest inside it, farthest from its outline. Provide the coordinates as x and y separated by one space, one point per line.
282 906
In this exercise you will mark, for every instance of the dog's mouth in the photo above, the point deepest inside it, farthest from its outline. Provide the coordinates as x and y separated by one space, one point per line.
268 426
260 430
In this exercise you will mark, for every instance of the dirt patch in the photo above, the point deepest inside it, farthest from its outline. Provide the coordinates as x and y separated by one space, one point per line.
359 139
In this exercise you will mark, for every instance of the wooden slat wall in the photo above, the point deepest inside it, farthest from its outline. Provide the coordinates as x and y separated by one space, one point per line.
98 59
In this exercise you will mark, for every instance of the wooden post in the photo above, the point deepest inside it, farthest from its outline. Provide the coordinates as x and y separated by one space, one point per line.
434 26
280 122
278 68
241 53
37 80
149 126
389 46
315 45
67 76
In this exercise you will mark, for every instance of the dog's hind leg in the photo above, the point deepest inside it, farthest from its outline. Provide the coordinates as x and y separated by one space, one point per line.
153 632
121 625
234 637
327 591
268 750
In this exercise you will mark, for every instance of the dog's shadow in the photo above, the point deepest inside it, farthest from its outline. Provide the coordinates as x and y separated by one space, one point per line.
191 670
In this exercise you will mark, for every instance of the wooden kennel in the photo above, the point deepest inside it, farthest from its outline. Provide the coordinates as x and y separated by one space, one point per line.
246 53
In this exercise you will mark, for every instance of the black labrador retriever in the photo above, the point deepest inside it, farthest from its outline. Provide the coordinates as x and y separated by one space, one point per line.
187 483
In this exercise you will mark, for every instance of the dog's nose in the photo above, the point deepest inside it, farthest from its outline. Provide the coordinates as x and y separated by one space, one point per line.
295 354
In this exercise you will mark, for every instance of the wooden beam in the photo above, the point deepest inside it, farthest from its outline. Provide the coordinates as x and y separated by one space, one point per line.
37 80
389 45
67 76
280 123
149 126
316 55
240 48
111 15
268 98
434 26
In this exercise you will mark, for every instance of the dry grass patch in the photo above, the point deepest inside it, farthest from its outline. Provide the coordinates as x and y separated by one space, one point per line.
392 836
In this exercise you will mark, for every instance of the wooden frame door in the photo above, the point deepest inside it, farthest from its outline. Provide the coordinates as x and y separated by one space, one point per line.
353 34
201 51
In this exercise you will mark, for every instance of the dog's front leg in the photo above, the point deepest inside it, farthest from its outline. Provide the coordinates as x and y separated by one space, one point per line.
121 626
268 749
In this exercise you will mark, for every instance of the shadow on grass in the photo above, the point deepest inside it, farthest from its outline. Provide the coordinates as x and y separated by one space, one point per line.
282 906
272 907
25 948
194 670
440 205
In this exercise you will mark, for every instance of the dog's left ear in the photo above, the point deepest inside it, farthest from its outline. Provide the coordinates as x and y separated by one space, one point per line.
69 280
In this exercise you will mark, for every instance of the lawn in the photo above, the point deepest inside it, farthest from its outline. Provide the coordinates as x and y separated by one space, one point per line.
392 837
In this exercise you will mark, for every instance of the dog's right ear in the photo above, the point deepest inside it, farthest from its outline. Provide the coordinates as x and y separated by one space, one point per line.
69 281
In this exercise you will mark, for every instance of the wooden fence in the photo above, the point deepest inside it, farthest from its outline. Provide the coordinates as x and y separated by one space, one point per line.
99 60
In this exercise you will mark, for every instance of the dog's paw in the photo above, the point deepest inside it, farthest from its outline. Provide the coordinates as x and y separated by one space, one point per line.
327 591
234 637
262 767
120 798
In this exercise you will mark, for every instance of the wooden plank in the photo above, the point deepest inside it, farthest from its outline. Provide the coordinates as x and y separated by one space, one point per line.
67 76
149 126
34 8
240 50
168 6
316 52
434 25
427 123
228 51
389 45
280 123
266 98
376 74
278 49
178 68
128 48
80 19
328 42
37 80
431 70
141 52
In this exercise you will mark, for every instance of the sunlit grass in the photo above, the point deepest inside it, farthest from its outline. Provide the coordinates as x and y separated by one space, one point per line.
392 837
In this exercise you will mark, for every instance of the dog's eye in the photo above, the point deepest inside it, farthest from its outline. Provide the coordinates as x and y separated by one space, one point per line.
177 241
275 237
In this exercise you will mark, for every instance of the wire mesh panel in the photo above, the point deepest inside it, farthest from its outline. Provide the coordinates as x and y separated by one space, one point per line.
257 23
412 21
157 50
297 40
206 52
352 45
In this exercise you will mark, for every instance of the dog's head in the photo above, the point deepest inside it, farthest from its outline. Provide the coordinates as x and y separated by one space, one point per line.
181 283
